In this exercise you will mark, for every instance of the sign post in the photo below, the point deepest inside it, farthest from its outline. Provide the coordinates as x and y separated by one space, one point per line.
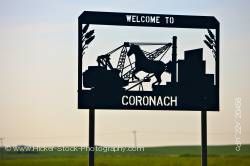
204 138
139 75
91 137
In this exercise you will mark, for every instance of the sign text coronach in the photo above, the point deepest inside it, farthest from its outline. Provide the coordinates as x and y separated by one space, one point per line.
149 100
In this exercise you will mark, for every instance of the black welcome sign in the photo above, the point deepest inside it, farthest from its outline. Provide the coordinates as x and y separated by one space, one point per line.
148 61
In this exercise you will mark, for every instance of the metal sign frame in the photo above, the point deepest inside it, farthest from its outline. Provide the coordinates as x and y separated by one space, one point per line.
207 100
181 21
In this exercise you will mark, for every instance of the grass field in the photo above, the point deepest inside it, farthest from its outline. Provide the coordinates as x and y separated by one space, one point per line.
158 156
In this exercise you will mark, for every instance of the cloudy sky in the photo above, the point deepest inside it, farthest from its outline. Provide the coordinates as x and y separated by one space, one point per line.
38 69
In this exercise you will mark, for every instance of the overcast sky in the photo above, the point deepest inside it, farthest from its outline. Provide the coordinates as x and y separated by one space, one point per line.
38 69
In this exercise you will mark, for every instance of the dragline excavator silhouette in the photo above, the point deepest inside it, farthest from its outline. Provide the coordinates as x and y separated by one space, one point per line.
105 76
